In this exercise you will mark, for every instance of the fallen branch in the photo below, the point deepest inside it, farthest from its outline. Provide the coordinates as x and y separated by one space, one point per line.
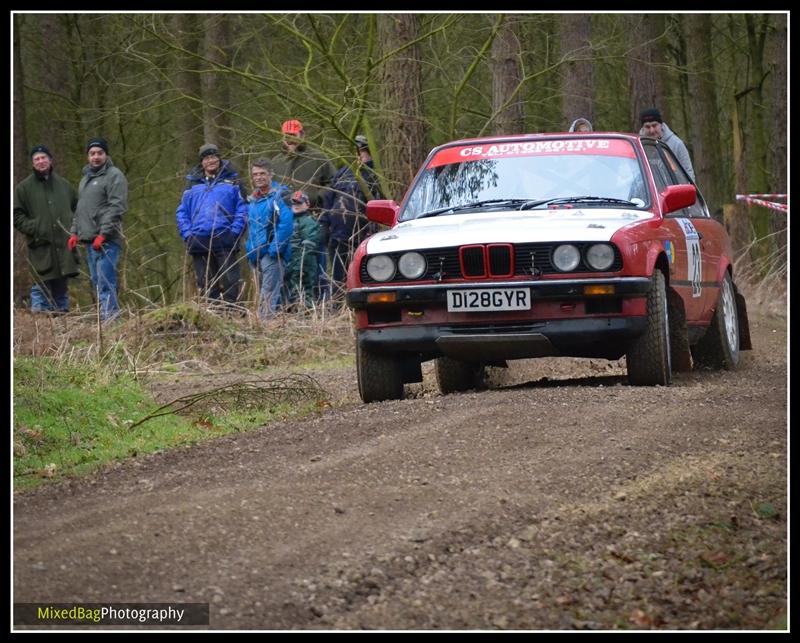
278 390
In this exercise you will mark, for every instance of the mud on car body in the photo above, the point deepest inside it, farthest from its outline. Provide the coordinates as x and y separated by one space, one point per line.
584 245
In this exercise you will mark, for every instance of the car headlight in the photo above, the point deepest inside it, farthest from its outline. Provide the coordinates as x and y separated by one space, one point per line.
566 257
380 267
412 265
600 256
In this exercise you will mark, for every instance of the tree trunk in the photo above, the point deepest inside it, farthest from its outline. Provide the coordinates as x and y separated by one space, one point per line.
22 166
189 118
216 94
506 78
777 61
645 53
403 132
704 124
577 78
777 161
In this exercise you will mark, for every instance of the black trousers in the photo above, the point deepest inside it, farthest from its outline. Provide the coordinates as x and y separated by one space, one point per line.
218 274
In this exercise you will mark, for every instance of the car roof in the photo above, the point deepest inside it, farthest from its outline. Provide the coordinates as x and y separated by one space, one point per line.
539 136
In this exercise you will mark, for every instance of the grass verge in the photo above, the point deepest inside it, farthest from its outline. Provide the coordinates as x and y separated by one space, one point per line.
70 419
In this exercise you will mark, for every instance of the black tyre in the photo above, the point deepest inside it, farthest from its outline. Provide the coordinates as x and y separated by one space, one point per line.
719 347
648 356
379 376
454 375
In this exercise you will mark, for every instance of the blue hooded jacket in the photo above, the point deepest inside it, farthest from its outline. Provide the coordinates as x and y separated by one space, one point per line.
270 224
212 213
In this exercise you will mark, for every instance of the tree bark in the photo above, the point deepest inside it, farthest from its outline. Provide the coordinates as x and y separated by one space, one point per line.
777 62
22 166
216 93
189 118
577 77
645 52
403 132
506 78
704 124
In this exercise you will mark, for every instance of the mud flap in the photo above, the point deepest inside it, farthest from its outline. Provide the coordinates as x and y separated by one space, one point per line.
411 370
744 325
680 353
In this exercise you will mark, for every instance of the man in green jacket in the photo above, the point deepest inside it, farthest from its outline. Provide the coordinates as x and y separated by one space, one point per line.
102 200
43 207
300 167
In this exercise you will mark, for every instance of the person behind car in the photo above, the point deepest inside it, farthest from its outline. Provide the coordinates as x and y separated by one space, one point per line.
344 224
581 125
655 127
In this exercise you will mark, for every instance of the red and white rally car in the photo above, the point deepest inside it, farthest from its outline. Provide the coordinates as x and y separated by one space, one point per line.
579 244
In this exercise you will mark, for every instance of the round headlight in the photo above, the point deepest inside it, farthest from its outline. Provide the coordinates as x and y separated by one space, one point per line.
412 265
566 257
380 267
600 256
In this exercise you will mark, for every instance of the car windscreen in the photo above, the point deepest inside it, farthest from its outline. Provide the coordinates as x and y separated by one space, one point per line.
528 174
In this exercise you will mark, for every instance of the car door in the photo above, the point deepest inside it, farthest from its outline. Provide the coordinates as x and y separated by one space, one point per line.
682 244
709 233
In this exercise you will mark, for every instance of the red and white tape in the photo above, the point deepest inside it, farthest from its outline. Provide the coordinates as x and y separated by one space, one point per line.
752 199
764 196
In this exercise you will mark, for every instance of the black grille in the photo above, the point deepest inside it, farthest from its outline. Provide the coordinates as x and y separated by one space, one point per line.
531 259
500 263
472 261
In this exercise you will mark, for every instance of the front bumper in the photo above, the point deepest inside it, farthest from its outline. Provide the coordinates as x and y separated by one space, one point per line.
487 337
436 294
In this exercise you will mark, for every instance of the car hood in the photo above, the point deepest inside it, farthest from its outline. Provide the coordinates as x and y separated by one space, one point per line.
595 224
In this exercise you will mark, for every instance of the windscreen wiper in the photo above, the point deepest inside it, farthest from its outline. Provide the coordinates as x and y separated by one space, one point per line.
471 206
528 205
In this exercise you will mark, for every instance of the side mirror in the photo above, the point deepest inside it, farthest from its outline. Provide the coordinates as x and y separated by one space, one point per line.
383 211
677 197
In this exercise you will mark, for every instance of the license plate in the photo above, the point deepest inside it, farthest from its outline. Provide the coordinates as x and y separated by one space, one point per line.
460 301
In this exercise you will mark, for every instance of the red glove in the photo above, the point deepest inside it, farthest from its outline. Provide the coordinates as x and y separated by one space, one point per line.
98 242
72 242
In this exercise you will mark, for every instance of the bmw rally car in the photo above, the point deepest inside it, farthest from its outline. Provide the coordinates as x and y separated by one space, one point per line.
584 245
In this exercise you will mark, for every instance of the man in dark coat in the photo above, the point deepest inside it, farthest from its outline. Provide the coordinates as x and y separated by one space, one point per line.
43 208
344 223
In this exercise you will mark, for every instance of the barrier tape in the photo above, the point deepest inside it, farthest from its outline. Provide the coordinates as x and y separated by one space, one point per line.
752 200
763 196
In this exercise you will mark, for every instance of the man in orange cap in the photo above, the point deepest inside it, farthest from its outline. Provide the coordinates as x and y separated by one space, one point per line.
301 167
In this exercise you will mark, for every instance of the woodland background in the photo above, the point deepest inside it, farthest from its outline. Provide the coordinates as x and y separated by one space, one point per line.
157 86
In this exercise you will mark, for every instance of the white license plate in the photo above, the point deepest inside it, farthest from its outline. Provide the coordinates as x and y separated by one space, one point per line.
460 301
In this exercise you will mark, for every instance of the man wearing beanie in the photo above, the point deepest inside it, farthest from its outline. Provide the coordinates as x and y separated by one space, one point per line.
655 127
102 200
43 208
211 219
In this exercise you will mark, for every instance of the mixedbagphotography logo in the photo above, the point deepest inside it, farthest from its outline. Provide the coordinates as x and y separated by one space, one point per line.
111 613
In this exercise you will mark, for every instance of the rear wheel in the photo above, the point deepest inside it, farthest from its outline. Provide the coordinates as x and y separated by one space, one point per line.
648 356
719 347
380 377
454 375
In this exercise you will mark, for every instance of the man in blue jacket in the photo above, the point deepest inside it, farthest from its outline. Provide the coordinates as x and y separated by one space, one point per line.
211 219
270 224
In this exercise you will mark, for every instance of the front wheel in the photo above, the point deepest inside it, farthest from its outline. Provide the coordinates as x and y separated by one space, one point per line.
379 376
719 347
648 356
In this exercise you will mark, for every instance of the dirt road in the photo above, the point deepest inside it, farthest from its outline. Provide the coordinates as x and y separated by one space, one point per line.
584 503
